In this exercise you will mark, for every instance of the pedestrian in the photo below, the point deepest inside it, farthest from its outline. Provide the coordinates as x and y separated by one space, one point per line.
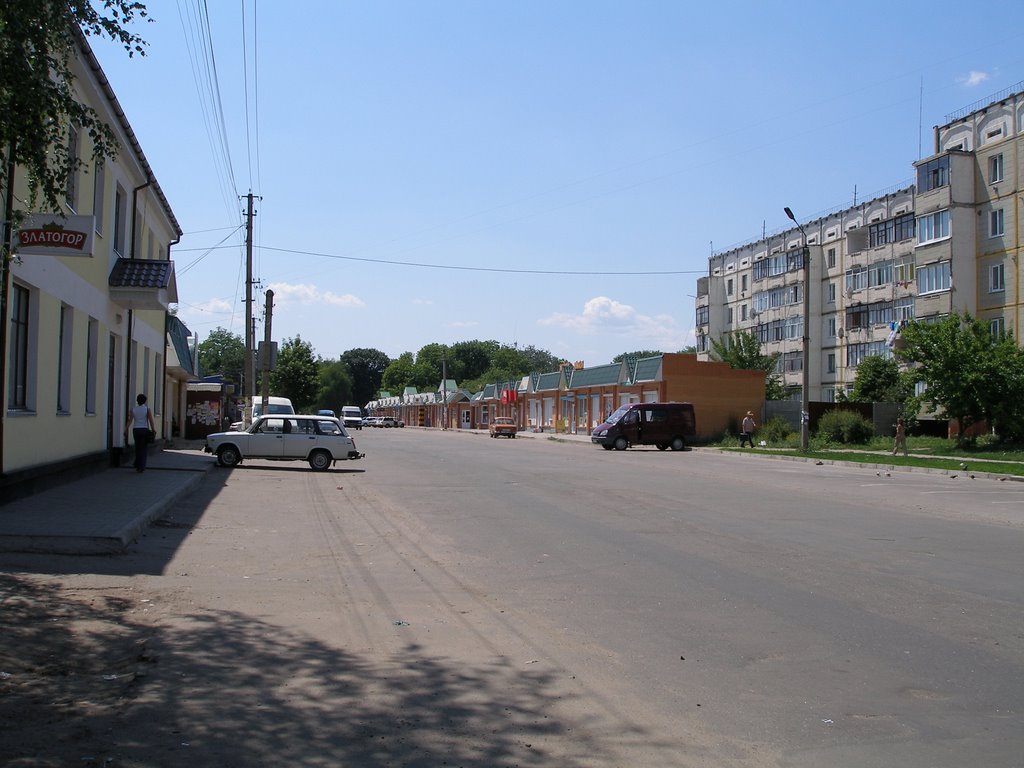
140 422
747 433
901 438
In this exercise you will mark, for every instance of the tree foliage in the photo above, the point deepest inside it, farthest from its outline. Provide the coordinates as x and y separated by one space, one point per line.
879 380
335 388
639 354
297 375
968 373
366 368
222 353
38 40
742 350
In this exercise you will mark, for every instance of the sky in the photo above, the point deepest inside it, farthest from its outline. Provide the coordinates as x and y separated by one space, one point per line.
553 173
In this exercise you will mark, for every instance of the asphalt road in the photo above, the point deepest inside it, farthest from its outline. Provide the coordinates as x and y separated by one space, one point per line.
457 600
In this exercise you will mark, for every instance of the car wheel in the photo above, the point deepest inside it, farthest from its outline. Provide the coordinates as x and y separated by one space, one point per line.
621 444
662 446
607 447
228 456
678 443
512 436
320 460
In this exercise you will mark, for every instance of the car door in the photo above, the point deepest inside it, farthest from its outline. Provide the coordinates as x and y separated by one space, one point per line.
298 439
266 440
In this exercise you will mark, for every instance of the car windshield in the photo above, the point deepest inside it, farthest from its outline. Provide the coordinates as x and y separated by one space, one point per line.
503 420
614 418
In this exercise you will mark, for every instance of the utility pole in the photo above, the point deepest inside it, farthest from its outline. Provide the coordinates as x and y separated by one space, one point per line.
6 252
444 391
805 393
249 367
265 358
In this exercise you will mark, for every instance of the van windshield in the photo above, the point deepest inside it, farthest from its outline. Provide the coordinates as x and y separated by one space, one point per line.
614 418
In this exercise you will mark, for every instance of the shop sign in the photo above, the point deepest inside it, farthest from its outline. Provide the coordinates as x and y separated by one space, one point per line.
52 235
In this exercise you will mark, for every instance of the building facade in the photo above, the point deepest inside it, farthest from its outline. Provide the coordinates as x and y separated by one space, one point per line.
89 329
948 243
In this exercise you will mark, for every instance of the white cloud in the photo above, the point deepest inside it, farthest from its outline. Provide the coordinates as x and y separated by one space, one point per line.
310 294
423 302
605 316
464 324
973 78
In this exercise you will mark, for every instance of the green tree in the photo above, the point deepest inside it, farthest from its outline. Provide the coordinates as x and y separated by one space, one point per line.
398 374
297 375
968 373
366 367
470 359
539 360
223 353
742 350
38 41
879 380
335 386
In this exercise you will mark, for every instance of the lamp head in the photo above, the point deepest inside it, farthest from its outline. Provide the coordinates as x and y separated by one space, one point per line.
789 213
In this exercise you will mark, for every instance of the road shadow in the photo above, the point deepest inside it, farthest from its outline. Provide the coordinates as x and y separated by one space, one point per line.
86 682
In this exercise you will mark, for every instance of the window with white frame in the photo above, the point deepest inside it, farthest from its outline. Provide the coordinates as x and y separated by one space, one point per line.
995 168
932 278
933 227
831 360
18 363
65 343
831 293
855 353
743 312
903 273
996 278
828 394
91 365
831 327
997 327
880 274
995 223
794 328
831 258
856 279
98 192
71 190
903 309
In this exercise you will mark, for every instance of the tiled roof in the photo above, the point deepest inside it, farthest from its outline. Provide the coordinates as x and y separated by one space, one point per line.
489 392
548 381
648 369
141 273
600 375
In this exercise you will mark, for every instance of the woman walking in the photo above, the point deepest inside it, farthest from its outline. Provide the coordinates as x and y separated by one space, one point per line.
140 421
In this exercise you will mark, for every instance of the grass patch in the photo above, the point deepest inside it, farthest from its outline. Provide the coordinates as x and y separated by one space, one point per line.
953 465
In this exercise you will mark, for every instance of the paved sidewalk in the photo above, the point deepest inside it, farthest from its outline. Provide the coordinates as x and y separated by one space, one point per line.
102 513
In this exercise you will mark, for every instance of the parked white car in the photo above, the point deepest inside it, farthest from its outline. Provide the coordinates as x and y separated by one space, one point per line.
319 440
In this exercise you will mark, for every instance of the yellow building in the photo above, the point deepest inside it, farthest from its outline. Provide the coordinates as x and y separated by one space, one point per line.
89 289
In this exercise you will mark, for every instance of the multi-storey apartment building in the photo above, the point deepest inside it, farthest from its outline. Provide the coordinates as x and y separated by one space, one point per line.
950 242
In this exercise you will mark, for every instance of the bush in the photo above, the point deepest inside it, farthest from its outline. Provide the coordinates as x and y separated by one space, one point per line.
839 426
775 430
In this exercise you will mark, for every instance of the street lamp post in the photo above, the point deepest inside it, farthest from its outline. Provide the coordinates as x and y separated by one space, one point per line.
805 395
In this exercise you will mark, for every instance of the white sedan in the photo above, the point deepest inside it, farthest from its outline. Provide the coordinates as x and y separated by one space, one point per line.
319 440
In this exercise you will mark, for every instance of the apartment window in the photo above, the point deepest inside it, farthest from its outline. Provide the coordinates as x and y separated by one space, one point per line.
996 278
995 168
831 293
903 309
880 274
703 315
828 394
743 312
932 278
997 328
728 315
857 317
120 221
995 223
743 283
903 273
702 342
99 183
831 256
794 328
856 279
903 227
728 287
855 353
71 190
17 381
933 174
932 227
64 345
831 327
880 313
91 365
158 381
831 362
